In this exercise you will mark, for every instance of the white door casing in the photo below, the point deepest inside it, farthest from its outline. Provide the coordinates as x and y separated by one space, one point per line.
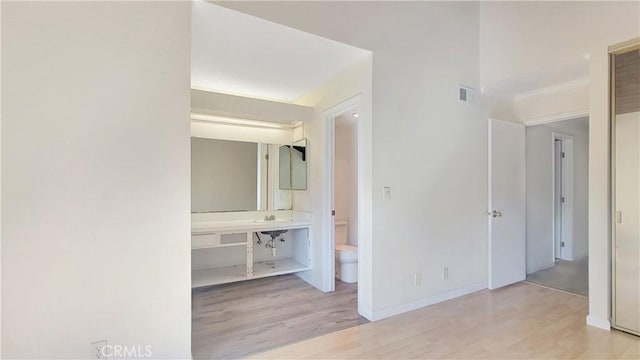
506 211
557 199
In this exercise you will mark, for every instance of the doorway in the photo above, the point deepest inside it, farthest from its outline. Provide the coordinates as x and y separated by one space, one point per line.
342 258
563 165
557 204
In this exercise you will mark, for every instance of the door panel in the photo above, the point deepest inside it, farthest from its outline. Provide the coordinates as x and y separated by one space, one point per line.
506 203
627 222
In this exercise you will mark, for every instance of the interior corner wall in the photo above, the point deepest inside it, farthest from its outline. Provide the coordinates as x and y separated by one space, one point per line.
430 148
95 178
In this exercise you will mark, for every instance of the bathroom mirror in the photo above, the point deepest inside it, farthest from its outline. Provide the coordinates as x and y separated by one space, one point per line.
293 166
236 176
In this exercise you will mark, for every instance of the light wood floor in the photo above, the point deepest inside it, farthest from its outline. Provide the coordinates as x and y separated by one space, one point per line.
235 320
516 322
571 276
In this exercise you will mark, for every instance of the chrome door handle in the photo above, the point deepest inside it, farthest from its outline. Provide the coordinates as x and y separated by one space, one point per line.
494 214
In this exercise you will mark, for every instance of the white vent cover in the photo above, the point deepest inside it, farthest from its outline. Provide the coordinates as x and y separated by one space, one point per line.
465 94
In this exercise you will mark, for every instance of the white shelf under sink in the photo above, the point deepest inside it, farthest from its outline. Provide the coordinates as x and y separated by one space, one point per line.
234 273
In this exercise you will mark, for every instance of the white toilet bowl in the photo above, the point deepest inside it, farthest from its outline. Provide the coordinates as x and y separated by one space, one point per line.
347 263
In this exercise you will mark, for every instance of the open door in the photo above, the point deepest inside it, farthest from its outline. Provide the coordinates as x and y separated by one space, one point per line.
506 210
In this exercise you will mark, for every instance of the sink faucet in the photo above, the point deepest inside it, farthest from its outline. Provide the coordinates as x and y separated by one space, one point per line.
269 218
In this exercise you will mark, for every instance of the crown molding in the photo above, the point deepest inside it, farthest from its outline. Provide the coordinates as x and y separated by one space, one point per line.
556 117
569 85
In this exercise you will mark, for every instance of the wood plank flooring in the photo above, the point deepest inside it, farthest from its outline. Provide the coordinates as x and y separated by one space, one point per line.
516 322
235 320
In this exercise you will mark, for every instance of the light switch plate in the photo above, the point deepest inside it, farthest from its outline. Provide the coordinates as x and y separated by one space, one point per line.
387 193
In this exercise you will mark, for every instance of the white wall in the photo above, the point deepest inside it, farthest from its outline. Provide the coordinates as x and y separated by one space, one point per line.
224 175
539 145
519 37
428 147
527 35
346 174
354 81
95 165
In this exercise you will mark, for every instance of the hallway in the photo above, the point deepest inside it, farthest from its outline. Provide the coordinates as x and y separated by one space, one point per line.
570 276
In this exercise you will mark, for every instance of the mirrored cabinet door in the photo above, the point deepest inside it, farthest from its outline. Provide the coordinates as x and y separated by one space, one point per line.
625 116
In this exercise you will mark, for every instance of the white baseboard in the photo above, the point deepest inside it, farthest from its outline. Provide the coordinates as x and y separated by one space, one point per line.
399 309
366 313
598 322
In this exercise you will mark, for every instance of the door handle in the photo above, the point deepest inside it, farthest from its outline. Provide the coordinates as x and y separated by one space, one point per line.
494 214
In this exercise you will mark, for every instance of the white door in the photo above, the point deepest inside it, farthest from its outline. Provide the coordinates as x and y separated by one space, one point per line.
506 203
627 222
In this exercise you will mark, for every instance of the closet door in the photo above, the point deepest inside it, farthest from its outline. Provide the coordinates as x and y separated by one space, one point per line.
626 196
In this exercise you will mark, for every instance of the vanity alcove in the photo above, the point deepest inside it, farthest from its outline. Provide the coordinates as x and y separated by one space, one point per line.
244 175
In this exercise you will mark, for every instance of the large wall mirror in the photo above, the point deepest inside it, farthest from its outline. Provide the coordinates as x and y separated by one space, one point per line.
625 116
229 175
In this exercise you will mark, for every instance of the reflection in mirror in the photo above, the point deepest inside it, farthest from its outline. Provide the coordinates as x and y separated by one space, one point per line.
296 172
235 176
224 175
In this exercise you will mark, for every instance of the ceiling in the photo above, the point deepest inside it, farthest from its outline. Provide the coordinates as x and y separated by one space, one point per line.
239 54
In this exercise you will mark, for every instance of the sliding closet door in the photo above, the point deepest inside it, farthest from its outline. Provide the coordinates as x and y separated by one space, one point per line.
626 197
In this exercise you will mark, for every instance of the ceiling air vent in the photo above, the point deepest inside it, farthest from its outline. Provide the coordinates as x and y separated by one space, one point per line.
465 94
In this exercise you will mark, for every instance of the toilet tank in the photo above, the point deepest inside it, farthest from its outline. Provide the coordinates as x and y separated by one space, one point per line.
341 232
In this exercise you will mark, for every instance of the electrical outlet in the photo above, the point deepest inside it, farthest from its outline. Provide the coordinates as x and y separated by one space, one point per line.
417 279
445 273
97 349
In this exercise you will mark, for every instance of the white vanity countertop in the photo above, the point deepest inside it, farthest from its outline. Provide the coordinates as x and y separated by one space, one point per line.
248 221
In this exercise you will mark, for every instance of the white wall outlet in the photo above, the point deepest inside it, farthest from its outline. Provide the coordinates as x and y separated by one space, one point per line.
445 273
417 279
386 193
97 350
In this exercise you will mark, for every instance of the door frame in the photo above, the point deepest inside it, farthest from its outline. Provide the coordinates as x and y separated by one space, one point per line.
568 184
328 203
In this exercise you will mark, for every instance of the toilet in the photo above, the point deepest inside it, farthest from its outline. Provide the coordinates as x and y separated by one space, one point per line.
346 256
